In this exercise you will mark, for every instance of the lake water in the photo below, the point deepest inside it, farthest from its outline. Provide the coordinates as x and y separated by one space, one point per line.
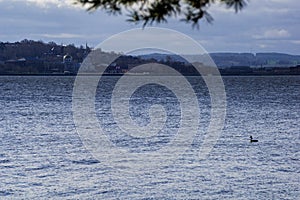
42 155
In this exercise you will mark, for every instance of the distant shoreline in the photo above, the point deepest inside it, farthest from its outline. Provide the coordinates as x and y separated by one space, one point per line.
68 75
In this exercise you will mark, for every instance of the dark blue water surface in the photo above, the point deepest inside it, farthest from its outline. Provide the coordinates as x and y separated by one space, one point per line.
42 156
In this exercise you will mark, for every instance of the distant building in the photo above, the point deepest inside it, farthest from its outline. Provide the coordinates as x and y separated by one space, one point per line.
237 70
295 70
241 68
68 64
19 62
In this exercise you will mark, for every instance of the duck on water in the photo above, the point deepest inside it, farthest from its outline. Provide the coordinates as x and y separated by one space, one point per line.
252 140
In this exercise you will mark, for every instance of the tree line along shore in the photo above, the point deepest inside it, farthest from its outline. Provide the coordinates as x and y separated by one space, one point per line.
29 57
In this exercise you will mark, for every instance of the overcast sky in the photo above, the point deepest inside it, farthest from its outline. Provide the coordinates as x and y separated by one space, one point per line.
263 26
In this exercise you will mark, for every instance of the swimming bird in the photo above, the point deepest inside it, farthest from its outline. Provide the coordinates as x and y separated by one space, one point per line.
251 139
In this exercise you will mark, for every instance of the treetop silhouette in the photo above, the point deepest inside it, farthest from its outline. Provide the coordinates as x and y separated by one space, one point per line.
149 11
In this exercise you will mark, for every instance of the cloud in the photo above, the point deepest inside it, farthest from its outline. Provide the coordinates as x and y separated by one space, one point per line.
60 35
295 42
273 34
48 3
